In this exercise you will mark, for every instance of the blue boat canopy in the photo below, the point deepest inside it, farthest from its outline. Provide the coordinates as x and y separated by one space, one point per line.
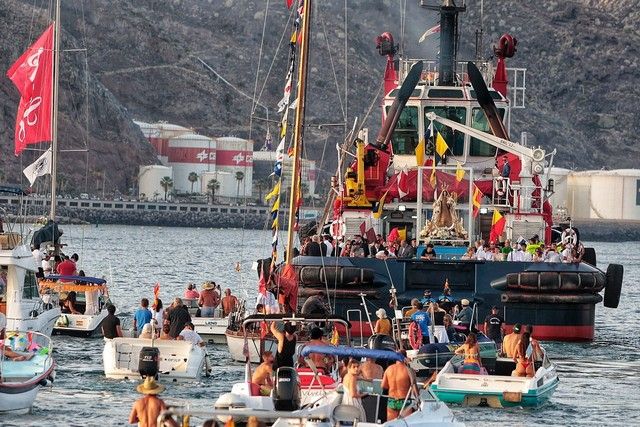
343 351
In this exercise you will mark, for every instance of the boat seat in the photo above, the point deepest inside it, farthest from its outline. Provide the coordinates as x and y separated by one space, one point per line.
345 415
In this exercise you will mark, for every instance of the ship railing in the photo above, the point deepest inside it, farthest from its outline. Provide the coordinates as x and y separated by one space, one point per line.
517 77
525 199
28 342
355 314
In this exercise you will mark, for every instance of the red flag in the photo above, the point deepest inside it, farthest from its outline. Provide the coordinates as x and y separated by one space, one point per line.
403 183
477 196
32 75
371 235
262 285
497 226
393 236
288 281
289 3
363 228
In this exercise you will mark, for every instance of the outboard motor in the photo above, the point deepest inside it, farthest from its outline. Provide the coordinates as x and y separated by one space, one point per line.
382 342
286 390
149 362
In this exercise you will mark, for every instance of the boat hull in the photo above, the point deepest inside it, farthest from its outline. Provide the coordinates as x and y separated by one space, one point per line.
555 316
179 360
211 329
80 325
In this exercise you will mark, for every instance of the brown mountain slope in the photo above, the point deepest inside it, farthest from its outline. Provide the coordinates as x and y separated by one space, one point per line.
581 56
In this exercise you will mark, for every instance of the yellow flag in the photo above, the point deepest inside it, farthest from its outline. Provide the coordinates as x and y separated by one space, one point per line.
420 152
432 178
459 172
441 145
276 205
402 233
378 212
273 193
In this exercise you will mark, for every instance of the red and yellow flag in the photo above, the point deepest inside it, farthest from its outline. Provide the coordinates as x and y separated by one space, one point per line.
497 226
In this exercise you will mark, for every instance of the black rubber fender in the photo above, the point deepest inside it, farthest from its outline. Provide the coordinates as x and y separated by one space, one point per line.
614 285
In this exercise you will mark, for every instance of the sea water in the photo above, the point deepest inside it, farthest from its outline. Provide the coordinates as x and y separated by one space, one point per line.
598 380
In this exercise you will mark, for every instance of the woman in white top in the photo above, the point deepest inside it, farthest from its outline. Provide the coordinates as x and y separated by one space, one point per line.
158 314
352 395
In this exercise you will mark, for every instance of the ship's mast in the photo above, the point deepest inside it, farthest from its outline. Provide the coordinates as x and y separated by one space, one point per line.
54 101
298 131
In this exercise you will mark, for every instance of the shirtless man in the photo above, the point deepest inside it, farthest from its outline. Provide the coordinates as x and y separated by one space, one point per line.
145 410
320 360
399 379
229 302
262 374
370 370
510 342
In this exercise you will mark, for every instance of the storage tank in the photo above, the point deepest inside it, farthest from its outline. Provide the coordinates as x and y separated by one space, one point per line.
149 178
559 199
188 153
159 134
227 185
579 194
616 194
235 155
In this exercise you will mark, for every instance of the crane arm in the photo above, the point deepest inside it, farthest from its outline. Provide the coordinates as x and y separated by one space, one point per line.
536 154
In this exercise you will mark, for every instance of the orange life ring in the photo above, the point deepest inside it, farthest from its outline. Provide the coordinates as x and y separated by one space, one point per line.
415 335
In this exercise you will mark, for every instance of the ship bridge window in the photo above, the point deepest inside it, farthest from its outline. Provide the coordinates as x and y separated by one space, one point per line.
446 93
405 137
479 121
494 94
454 139
30 289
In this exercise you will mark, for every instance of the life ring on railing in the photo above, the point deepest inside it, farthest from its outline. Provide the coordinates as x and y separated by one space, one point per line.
569 237
415 335
500 186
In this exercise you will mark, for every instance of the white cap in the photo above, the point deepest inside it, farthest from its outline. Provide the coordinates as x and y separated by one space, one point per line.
381 313
464 302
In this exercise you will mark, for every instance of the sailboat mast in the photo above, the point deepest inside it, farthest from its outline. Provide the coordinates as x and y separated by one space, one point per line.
54 100
298 132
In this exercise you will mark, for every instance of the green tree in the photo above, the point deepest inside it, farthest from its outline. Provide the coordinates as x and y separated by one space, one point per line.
193 178
166 183
213 185
239 178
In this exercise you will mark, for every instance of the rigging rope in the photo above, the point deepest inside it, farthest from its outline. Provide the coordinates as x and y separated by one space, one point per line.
255 85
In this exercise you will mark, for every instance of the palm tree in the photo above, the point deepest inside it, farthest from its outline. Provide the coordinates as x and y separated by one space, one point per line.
213 185
166 183
239 178
193 178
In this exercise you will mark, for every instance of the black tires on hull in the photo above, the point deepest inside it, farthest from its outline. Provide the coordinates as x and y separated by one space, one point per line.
614 285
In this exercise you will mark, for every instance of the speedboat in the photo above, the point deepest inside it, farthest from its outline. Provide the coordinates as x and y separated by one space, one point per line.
27 308
174 359
497 389
292 401
21 380
92 297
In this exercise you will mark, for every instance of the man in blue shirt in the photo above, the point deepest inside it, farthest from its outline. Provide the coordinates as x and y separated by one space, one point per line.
142 316
423 320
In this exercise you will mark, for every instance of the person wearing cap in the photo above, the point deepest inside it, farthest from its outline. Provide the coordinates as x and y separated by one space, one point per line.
493 326
146 410
510 341
209 299
465 315
383 324
427 298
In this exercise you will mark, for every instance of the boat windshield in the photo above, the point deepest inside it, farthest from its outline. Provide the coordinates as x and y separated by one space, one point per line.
405 137
454 139
479 121
30 289
3 283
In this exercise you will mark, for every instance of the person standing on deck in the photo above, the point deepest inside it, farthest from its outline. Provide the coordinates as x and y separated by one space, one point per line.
383 324
510 342
399 380
286 344
142 316
209 299
493 326
229 302
111 324
178 317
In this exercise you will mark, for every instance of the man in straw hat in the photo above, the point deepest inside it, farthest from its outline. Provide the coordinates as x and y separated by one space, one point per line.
146 410
209 299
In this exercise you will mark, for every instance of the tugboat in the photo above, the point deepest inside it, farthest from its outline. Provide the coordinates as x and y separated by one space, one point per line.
443 111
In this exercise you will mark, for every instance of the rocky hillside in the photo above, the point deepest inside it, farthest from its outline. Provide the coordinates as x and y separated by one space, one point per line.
143 60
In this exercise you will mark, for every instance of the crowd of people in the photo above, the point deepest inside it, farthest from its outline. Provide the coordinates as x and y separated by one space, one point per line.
533 250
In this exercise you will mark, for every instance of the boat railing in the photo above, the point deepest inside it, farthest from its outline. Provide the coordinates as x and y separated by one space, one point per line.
294 319
186 413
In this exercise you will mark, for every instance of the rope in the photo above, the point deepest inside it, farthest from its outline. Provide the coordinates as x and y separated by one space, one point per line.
255 85
333 68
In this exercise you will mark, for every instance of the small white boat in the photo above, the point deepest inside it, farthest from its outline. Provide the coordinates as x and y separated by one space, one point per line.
303 396
26 308
21 380
177 359
240 343
92 296
499 389
211 329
